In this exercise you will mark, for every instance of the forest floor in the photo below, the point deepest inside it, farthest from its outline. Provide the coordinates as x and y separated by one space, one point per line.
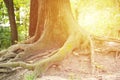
77 66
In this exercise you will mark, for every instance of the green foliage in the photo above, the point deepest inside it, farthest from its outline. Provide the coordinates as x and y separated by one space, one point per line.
21 3
22 17
4 37
23 32
3 13
30 76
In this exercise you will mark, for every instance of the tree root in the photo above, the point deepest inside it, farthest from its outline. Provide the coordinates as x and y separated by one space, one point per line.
92 55
13 52
67 48
5 70
41 66
42 56
4 75
18 64
7 57
3 52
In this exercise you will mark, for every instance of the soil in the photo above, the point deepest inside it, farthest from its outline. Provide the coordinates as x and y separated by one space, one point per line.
77 66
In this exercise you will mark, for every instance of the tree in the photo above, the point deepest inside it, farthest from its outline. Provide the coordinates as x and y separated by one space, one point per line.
10 7
55 29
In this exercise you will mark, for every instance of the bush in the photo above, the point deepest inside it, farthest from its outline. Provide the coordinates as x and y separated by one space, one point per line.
5 39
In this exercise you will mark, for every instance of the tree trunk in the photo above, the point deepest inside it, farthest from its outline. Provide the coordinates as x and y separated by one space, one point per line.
56 29
10 8
33 17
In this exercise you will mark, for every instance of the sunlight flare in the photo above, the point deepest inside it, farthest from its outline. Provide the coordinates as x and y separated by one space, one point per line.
99 17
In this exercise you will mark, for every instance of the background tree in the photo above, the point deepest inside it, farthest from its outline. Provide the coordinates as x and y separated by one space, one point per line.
10 8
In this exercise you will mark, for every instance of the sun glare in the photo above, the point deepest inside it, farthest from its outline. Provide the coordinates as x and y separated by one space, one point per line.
88 19
100 17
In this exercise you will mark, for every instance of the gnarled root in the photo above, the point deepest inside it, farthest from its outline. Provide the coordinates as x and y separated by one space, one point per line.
67 48
18 64
41 66
12 52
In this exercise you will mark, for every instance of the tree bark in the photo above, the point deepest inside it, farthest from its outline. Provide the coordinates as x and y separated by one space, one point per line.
10 7
33 17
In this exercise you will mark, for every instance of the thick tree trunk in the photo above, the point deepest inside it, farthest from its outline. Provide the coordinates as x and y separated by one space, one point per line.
14 33
56 29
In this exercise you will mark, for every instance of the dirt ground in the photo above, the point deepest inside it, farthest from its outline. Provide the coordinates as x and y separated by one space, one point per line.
77 66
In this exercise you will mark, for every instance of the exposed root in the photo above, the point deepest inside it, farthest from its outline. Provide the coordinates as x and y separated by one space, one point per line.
70 44
18 64
13 52
8 56
41 66
15 48
92 55
107 39
5 69
3 52
4 75
42 56
43 44
105 46
108 45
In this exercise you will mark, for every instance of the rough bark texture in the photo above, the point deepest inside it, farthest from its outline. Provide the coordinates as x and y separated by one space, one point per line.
10 8
33 17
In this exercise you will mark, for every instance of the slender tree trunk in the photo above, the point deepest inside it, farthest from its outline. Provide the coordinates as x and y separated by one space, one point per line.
10 7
